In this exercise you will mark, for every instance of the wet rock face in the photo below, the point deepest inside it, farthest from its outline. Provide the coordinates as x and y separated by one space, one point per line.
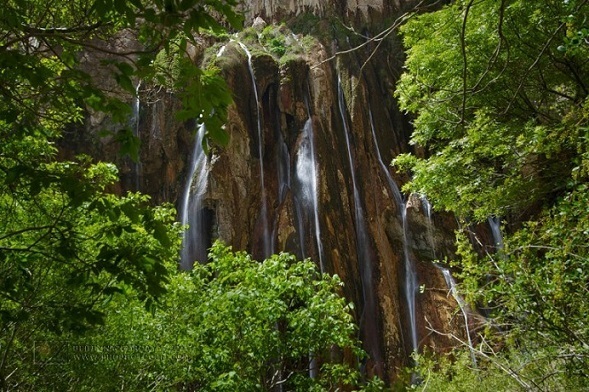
368 254
354 228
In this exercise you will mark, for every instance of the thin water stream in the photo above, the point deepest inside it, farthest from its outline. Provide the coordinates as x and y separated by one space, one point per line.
410 284
308 193
368 318
194 240
267 238
135 119
463 308
495 224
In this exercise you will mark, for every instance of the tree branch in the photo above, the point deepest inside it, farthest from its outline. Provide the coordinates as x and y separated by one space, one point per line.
464 60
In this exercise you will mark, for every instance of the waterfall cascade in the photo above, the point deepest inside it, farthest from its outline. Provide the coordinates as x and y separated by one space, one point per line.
368 318
267 238
307 197
195 238
463 307
450 281
271 195
495 225
393 187
136 129
410 285
430 227
310 132
356 221
307 203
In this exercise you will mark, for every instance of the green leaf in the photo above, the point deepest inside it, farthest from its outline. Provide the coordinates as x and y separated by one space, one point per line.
125 82
129 143
217 135
160 233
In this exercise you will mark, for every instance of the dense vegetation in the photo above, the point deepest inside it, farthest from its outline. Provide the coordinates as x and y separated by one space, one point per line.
233 324
498 90
91 296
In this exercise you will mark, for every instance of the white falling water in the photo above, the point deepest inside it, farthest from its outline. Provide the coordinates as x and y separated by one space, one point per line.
191 210
267 240
450 282
136 132
392 184
363 247
307 176
463 307
410 286
427 206
221 50
136 107
430 227
495 224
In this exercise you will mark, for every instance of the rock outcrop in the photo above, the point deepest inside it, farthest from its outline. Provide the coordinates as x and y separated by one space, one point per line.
361 233
313 94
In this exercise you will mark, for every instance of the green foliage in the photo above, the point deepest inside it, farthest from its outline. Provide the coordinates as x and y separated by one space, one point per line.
444 373
68 245
538 283
278 41
499 93
274 39
234 324
498 105
203 92
42 47
532 368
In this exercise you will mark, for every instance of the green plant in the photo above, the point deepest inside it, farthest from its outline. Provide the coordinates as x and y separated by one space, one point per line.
231 324
68 244
499 94
272 37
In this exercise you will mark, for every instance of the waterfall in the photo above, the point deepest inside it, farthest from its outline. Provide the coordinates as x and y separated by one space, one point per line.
450 282
194 239
368 317
267 240
463 307
221 51
495 224
430 227
307 177
315 193
306 203
134 124
410 285
392 184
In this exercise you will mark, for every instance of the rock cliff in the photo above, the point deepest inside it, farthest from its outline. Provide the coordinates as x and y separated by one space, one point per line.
313 129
